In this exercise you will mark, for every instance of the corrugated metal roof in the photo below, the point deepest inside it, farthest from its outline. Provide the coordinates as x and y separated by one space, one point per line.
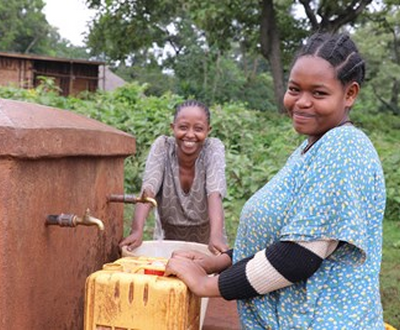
49 58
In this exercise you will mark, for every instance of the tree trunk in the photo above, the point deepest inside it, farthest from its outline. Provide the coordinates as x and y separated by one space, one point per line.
270 49
394 100
333 20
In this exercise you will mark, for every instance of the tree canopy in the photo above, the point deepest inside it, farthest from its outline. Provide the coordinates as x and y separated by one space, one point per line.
24 29
125 28
23 26
217 51
379 40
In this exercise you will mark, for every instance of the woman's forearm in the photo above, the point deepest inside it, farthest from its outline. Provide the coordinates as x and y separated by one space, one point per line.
142 211
216 214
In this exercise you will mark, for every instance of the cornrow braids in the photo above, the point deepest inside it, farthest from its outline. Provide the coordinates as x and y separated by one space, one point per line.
340 51
193 103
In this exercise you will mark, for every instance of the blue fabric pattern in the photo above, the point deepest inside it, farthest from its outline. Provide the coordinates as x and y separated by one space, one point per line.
334 191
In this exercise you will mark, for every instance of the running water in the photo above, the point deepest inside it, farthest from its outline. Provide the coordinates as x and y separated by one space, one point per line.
158 234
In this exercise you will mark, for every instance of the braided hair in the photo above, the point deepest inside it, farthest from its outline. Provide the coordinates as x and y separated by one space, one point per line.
340 51
193 103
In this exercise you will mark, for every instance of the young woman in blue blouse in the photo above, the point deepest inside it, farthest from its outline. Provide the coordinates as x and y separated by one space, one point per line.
308 248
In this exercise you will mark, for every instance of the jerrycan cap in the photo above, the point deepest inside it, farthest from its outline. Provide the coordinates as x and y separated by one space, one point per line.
155 268
154 272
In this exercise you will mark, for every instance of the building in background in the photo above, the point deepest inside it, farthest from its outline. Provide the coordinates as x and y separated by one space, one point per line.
109 80
70 75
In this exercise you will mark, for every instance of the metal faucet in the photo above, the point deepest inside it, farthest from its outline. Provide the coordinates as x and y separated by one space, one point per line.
72 220
132 199
88 220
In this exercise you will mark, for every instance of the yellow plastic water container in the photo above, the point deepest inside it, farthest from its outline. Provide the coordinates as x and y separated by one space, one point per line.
164 249
132 294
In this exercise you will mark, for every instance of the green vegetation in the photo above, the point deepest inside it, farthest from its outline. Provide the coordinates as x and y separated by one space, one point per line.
224 53
390 278
219 50
215 51
257 145
24 29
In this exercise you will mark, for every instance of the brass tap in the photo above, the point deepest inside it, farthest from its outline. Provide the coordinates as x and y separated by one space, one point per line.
150 200
88 220
125 198
71 220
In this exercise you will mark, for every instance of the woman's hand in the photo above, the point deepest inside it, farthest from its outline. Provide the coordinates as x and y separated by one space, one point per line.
209 263
132 241
217 244
193 275
135 238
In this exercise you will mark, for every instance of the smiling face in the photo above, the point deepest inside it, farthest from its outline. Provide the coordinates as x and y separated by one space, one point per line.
190 129
315 99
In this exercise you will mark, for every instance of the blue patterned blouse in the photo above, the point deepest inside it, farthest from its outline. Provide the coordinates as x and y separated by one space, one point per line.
334 191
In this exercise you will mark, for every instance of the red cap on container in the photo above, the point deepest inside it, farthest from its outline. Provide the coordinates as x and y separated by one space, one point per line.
154 272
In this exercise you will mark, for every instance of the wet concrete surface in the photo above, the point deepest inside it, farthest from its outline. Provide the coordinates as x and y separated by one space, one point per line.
221 315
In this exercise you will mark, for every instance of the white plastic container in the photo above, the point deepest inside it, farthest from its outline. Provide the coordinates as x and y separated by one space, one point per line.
164 249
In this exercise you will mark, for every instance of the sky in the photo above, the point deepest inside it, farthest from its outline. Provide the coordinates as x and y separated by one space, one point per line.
70 17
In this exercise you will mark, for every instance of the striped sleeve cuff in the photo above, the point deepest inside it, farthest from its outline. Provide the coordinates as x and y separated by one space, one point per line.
250 277
279 266
263 276
233 283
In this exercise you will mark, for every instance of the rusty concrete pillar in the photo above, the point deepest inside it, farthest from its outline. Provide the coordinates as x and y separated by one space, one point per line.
51 162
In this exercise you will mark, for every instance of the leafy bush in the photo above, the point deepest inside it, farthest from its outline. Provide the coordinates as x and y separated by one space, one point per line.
257 145
257 142
384 131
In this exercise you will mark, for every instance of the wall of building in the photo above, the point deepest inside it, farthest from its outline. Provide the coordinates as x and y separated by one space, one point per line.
71 76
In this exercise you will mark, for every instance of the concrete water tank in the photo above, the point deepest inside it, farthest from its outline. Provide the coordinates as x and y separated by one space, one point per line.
55 162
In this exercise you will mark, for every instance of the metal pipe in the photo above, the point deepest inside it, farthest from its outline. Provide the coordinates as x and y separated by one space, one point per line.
72 220
132 199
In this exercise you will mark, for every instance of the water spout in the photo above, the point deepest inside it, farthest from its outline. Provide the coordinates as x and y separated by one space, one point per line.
132 199
71 220
89 220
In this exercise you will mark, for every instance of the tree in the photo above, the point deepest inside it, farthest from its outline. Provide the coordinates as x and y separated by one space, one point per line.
61 47
379 41
122 28
275 18
24 29
23 26
333 14
264 26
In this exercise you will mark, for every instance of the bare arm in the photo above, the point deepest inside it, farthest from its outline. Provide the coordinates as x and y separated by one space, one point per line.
194 268
152 180
217 241
278 266
135 238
